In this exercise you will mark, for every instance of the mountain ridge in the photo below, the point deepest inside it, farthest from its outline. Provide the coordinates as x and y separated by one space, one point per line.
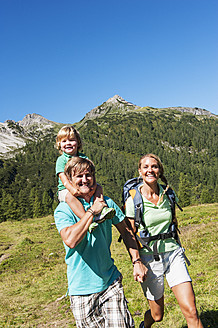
115 140
125 106
15 135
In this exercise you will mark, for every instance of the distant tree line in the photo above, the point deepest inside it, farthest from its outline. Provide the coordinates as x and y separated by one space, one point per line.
187 146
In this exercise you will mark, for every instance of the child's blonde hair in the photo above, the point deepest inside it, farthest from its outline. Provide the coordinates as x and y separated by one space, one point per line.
68 131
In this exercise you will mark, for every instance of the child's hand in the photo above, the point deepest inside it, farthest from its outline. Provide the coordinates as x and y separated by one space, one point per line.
74 191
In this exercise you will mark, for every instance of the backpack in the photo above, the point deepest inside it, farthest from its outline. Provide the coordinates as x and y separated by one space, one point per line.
143 237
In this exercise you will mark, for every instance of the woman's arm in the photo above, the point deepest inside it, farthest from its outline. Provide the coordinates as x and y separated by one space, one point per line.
131 223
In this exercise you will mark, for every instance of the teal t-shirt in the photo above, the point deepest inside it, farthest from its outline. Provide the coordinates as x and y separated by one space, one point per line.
60 165
90 268
157 219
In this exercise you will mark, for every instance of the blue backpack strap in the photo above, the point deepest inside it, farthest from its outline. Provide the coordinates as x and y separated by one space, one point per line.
172 198
138 205
131 189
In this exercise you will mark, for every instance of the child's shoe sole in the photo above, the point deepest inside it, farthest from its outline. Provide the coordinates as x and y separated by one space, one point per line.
93 226
106 213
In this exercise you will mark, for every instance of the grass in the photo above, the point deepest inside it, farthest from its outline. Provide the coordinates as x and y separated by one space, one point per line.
33 280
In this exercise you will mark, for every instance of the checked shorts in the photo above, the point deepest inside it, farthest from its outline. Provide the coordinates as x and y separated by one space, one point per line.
107 309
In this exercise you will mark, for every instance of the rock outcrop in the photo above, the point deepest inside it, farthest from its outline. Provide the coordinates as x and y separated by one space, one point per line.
14 135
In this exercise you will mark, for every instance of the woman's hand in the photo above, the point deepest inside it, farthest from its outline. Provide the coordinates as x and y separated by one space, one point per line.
139 271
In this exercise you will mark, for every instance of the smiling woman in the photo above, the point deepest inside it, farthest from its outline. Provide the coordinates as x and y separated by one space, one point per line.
162 254
149 170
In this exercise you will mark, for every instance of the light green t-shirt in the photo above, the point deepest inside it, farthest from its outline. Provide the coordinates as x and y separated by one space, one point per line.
157 219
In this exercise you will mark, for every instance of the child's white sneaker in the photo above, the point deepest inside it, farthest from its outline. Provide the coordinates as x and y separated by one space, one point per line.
93 226
106 213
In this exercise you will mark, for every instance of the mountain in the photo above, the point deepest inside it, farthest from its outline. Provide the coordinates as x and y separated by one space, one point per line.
117 104
14 135
115 135
112 105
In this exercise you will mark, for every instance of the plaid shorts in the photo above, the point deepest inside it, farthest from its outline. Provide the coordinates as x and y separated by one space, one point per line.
107 309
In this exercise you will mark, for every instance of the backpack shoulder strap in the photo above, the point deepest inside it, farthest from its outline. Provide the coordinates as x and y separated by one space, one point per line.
131 189
138 205
172 198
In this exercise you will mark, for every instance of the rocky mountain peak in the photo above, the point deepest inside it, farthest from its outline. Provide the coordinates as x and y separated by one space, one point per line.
118 100
35 119
116 103
14 135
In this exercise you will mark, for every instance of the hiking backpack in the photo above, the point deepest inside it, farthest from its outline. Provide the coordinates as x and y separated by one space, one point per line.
143 237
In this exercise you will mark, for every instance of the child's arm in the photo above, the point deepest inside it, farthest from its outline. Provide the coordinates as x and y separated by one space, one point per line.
74 203
67 183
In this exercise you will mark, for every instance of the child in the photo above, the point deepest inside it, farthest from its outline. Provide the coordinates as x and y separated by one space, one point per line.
69 143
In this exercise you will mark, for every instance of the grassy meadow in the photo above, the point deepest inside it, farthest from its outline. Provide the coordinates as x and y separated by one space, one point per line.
33 281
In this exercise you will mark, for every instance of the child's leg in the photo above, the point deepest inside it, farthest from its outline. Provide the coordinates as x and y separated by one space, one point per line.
75 205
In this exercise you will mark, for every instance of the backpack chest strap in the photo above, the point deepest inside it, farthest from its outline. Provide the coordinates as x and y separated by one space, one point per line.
161 236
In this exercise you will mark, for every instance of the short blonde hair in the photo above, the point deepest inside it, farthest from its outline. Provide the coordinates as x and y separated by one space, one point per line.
77 165
68 131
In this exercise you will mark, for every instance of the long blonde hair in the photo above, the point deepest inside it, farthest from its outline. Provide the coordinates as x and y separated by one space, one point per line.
161 168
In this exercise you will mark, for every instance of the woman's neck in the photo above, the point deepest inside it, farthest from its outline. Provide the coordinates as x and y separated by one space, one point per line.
150 192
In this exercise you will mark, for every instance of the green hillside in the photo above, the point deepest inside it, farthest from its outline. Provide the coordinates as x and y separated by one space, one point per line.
115 140
33 280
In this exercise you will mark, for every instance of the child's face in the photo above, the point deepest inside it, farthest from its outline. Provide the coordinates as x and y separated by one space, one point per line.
69 146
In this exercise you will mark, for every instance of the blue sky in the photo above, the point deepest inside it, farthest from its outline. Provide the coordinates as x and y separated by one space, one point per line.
62 58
